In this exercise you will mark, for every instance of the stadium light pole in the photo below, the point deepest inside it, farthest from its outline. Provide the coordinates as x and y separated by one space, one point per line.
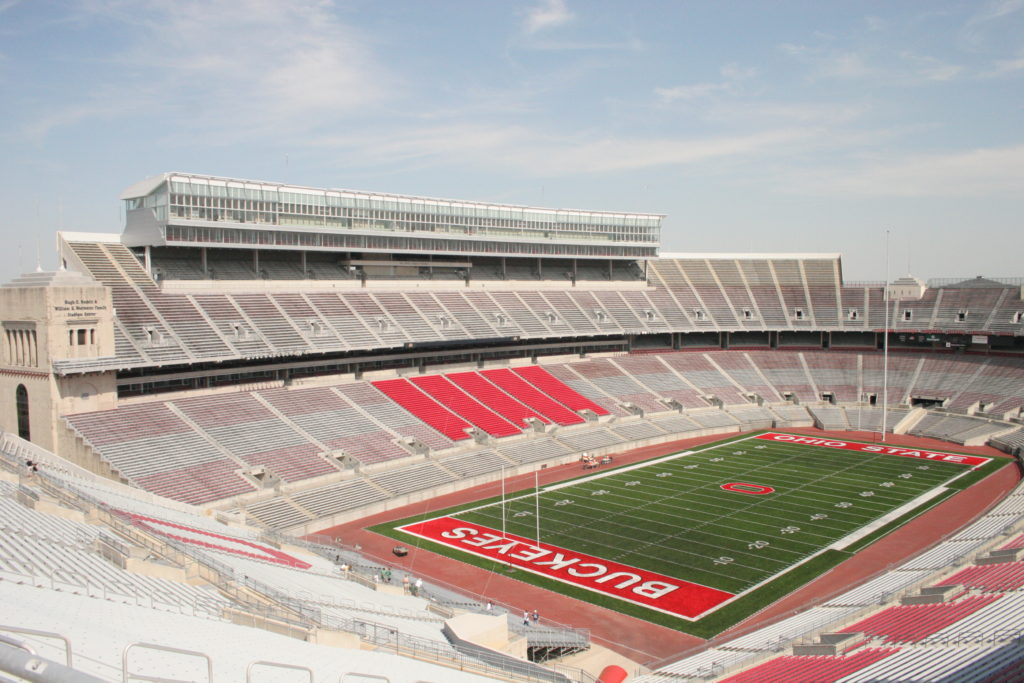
885 343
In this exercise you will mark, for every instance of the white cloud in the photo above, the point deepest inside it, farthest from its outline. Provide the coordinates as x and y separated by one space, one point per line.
845 66
542 154
930 68
997 10
987 172
687 93
788 113
1005 67
975 33
880 67
227 68
580 46
549 15
794 50
732 73
874 23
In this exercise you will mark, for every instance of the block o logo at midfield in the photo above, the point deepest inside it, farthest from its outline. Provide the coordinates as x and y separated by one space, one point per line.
750 489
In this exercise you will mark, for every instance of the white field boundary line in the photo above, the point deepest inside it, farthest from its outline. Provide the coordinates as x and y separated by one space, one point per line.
871 527
612 472
716 520
816 547
842 543
583 480
767 580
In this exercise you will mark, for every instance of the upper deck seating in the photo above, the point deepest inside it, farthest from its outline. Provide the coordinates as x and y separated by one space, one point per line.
244 337
708 289
759 278
667 274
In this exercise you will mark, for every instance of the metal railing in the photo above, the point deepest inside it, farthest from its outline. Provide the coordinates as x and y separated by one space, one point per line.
267 607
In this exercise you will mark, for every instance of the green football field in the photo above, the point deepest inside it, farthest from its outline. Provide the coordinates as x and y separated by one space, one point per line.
730 517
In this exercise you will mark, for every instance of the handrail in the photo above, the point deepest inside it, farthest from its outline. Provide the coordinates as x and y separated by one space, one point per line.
279 665
44 634
21 660
279 606
20 644
161 648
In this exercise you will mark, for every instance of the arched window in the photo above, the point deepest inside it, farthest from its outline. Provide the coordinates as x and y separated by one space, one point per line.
21 406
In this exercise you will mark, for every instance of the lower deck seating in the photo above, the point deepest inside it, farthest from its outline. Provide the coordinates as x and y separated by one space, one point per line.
543 380
455 399
424 407
912 623
810 669
1006 576
512 383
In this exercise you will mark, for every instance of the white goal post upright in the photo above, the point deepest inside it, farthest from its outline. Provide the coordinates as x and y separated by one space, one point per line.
536 505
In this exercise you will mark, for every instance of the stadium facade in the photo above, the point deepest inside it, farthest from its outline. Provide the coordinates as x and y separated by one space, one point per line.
300 357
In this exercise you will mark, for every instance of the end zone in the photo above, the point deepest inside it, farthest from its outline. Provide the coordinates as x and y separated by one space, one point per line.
955 458
638 586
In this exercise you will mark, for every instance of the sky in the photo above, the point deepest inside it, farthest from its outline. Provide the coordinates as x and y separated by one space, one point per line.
864 128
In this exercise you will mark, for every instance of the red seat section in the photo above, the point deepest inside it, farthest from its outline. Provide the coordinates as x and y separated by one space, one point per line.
516 386
425 408
465 405
494 398
554 387
810 668
912 623
1006 576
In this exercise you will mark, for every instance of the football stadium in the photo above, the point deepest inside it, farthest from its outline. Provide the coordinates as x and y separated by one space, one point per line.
269 432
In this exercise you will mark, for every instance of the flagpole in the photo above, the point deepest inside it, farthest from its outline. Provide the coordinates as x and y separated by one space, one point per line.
503 501
885 344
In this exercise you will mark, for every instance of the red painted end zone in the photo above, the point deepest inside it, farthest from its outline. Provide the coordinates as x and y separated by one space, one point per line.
956 458
639 586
